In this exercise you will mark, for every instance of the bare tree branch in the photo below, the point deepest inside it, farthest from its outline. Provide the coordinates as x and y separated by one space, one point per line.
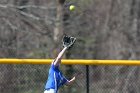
30 15
25 6
13 27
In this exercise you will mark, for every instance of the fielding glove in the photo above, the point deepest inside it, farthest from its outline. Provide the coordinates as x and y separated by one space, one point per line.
68 41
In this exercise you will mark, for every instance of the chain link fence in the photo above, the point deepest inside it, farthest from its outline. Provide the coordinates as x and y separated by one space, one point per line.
102 79
32 79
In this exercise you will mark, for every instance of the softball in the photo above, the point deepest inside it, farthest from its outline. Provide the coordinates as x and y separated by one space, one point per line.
71 7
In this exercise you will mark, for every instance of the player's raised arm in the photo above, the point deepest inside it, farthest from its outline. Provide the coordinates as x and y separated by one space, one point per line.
67 43
57 61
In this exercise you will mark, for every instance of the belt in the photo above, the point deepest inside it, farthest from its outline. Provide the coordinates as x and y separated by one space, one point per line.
49 89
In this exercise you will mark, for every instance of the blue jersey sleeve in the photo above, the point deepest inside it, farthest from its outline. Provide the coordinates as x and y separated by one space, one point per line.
54 67
64 81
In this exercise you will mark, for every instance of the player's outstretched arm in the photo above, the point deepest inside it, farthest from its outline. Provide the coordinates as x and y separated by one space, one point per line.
71 81
77 75
59 57
67 43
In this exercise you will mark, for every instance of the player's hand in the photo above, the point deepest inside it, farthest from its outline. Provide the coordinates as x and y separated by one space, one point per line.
73 78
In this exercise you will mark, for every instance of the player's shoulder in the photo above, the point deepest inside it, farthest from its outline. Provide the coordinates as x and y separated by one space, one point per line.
54 67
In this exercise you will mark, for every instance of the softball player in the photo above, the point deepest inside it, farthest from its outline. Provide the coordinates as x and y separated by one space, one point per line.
55 76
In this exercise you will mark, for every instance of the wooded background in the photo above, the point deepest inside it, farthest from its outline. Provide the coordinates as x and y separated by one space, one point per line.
105 29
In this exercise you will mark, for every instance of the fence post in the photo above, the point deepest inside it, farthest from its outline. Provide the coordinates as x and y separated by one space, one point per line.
87 78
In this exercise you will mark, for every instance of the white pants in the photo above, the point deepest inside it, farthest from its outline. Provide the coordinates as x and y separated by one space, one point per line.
50 91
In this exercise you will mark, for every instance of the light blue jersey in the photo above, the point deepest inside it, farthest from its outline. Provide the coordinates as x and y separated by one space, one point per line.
55 78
